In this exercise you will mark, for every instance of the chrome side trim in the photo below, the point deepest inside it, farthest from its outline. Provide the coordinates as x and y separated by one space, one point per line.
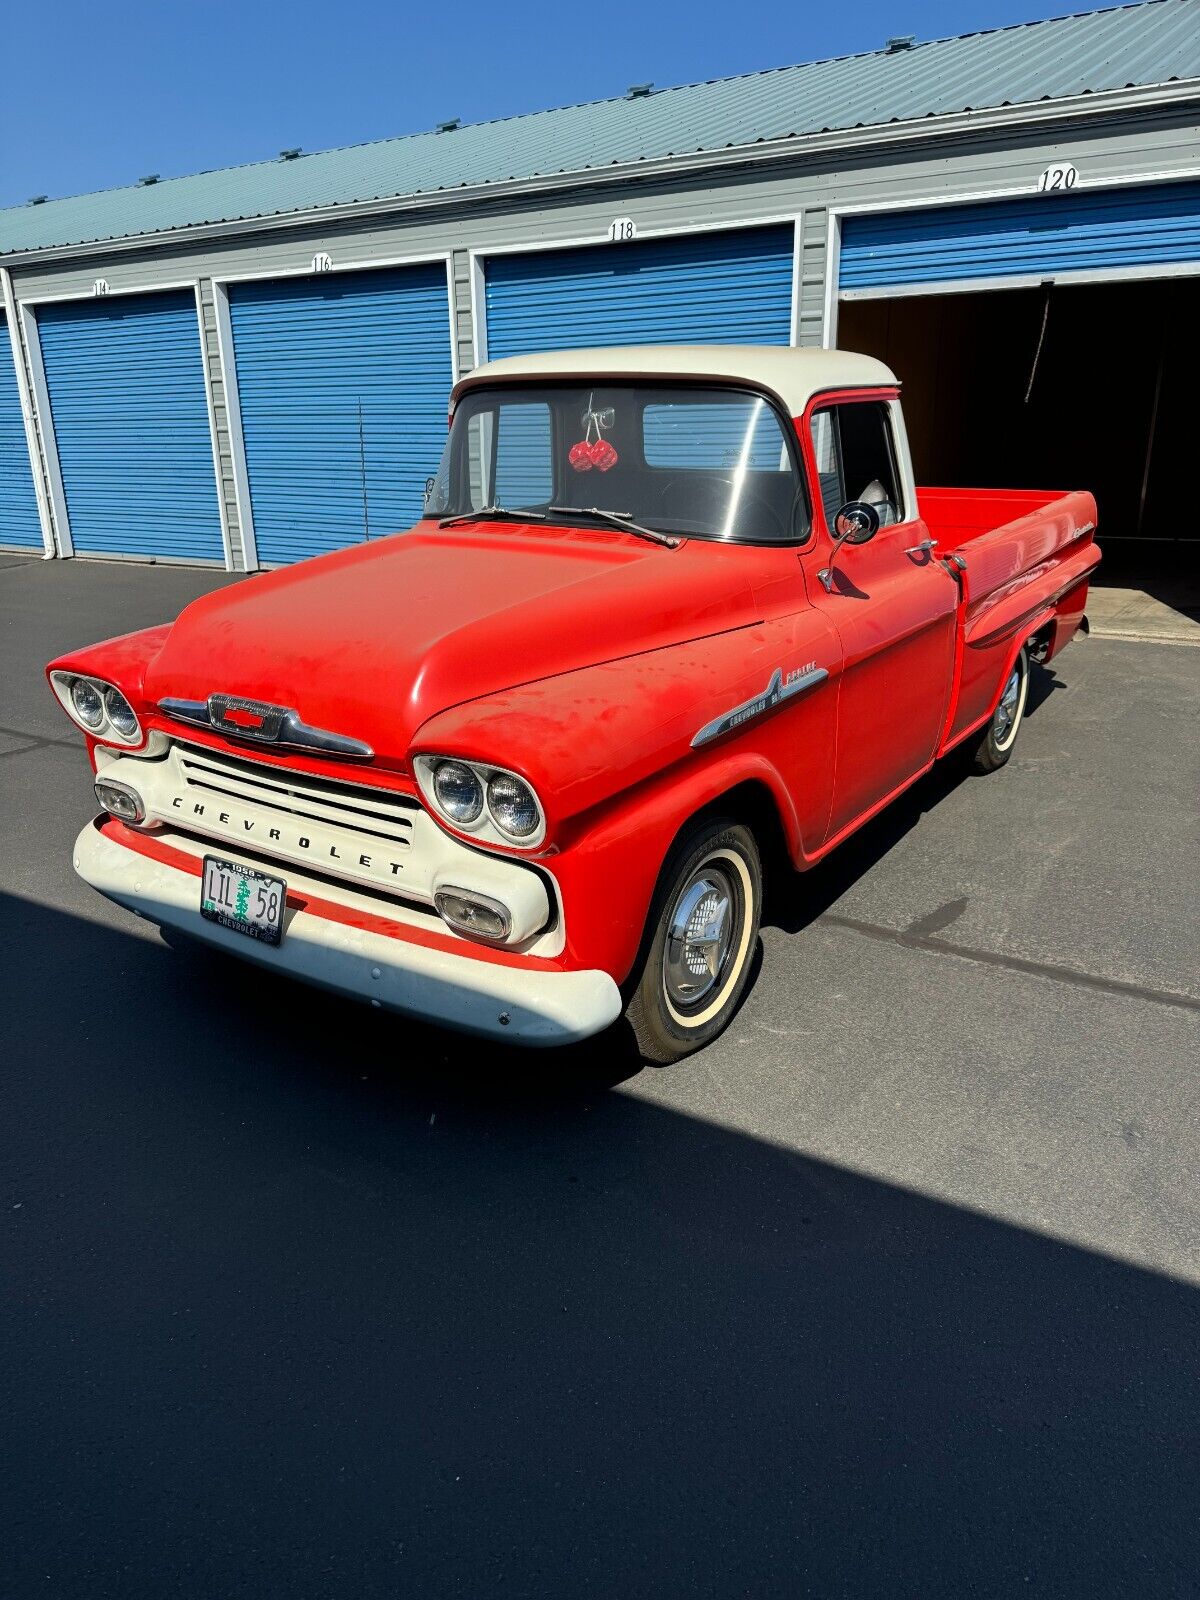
285 733
775 692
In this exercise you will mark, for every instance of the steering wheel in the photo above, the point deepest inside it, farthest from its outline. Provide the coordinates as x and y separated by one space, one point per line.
748 499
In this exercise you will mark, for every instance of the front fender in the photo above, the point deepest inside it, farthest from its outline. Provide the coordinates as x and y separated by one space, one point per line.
585 739
607 877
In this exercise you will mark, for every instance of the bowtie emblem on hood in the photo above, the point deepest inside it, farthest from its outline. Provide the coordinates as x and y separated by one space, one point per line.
263 723
251 718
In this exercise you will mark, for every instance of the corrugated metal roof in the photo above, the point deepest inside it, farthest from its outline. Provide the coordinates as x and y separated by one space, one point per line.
1152 43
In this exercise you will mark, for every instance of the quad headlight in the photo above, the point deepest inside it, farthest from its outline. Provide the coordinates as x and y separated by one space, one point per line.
87 704
97 707
514 809
458 791
120 714
488 802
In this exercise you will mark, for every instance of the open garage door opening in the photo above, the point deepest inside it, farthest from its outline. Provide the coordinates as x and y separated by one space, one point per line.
1056 387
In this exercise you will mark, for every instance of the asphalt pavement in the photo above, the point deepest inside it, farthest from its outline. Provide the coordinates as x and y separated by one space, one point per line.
894 1290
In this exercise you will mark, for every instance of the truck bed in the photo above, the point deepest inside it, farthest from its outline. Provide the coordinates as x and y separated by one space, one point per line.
1028 556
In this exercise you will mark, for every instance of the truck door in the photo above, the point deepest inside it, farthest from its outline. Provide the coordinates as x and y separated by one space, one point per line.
890 600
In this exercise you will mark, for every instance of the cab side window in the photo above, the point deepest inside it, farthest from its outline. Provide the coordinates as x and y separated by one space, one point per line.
856 459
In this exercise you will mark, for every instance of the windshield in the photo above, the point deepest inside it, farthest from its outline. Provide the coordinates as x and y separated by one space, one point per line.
702 462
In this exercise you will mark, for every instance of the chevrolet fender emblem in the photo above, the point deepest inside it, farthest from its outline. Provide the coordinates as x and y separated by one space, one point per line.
758 705
261 723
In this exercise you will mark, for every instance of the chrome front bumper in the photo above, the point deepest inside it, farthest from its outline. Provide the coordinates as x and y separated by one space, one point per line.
522 1005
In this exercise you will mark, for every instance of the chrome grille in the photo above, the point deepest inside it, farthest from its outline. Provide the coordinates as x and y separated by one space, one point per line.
300 797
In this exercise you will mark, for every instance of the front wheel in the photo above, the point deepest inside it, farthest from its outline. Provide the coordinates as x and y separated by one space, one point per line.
997 740
702 936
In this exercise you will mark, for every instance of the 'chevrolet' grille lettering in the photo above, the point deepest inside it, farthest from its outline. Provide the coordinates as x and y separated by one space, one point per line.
292 842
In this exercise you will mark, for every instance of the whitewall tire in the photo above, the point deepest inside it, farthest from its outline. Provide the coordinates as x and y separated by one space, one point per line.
998 738
702 935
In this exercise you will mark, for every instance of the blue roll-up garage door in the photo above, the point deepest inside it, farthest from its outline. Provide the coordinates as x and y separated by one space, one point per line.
1097 231
343 382
130 415
19 523
714 288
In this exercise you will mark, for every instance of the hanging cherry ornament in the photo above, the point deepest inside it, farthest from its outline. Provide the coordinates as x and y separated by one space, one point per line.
593 450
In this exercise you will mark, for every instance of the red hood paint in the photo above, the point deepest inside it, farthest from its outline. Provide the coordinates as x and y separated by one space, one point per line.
373 641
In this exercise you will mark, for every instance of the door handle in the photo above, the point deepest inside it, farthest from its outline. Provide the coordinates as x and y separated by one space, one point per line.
922 549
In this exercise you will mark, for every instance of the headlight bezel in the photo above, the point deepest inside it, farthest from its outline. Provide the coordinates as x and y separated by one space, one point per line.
485 828
106 731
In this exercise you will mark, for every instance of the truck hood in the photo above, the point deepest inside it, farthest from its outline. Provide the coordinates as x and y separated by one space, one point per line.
371 642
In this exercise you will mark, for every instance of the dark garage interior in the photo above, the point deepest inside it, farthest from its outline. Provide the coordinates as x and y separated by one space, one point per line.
1057 387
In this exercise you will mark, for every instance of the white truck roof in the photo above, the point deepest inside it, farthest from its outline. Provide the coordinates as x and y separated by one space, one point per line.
793 375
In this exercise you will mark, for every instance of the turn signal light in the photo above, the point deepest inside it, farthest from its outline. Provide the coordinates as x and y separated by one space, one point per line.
477 916
121 801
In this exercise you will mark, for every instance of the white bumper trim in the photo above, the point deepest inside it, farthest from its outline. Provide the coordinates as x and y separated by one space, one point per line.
440 986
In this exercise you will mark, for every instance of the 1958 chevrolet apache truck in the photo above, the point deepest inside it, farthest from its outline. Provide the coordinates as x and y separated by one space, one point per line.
669 613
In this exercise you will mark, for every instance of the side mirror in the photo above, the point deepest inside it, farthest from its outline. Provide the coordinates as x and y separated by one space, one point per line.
856 523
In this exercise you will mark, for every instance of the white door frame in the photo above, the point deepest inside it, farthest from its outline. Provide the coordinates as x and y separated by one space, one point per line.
28 417
982 284
479 257
228 364
41 397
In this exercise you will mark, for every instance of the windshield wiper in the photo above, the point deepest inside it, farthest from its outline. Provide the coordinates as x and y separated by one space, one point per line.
619 519
491 511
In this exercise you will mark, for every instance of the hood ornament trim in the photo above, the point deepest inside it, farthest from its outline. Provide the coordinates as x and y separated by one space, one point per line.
261 723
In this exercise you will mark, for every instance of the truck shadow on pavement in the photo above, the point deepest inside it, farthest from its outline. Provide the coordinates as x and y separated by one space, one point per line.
302 1300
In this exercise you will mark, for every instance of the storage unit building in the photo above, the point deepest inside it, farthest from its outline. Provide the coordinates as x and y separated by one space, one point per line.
254 365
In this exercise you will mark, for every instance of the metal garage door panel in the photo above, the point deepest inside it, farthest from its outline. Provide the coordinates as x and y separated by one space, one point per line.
719 288
343 383
1155 225
130 414
19 522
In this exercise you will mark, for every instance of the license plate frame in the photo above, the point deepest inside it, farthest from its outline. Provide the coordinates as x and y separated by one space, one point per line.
243 900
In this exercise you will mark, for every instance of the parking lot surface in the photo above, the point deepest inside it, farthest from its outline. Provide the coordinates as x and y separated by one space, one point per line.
893 1290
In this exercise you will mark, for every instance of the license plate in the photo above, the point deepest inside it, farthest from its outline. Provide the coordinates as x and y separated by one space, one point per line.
243 900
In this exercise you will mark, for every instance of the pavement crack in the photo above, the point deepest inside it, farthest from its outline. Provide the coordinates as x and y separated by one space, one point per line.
36 740
910 940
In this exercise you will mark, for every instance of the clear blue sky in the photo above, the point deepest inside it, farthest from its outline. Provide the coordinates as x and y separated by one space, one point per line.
100 92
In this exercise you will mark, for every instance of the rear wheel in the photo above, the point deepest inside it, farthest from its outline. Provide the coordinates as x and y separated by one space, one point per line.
997 740
702 937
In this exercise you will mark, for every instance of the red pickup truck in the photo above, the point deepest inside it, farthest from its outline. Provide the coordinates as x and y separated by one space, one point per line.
670 613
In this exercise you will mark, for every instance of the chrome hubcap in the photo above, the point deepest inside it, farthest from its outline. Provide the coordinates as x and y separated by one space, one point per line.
700 937
1006 711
